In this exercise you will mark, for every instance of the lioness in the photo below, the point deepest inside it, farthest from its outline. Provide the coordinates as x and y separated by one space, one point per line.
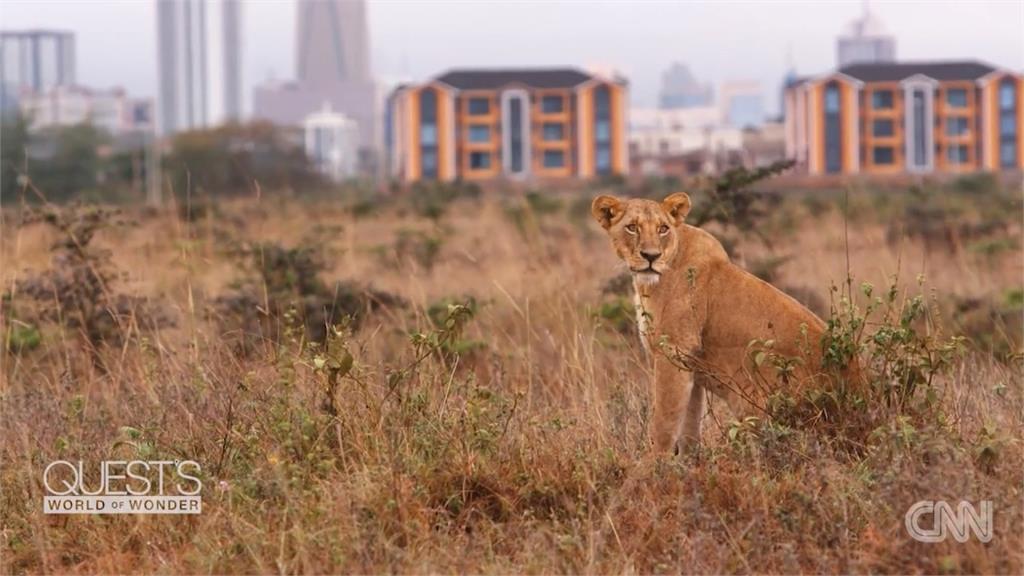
708 323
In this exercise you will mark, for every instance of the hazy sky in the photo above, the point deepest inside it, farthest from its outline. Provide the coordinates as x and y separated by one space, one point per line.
416 39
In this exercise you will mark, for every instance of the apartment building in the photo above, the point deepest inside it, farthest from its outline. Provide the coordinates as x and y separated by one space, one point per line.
518 124
923 117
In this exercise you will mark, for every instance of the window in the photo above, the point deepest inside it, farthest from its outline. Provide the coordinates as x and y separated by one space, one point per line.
551 104
1008 154
554 131
882 155
479 133
1007 125
428 135
430 163
881 99
956 98
479 106
956 154
832 99
515 134
479 160
956 126
554 159
833 130
920 129
602 130
1006 95
882 128
604 160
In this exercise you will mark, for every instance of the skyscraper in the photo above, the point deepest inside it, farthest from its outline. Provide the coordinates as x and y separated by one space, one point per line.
332 66
185 82
679 89
332 43
865 40
181 37
36 61
232 60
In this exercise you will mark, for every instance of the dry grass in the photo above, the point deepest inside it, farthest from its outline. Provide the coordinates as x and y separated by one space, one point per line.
514 441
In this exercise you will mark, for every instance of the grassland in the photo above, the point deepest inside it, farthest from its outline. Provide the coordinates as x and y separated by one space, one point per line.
450 381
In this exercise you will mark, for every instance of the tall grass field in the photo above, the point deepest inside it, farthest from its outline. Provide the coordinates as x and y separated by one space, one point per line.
448 379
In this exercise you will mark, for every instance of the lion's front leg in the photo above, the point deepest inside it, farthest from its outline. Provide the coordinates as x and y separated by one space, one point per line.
673 392
694 413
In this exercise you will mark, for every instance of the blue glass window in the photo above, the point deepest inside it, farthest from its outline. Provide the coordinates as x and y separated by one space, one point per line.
881 99
479 106
956 98
833 130
479 133
1006 96
882 127
554 131
956 154
882 155
602 130
479 160
554 159
551 104
956 126
428 133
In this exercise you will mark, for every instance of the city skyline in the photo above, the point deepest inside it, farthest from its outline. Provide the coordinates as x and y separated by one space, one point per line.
719 42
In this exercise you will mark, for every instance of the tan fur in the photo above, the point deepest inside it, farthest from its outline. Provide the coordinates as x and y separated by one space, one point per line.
704 319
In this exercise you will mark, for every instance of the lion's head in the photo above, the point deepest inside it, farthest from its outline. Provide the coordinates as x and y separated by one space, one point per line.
643 232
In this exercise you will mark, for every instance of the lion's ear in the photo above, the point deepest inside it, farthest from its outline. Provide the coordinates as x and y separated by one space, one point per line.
677 206
606 210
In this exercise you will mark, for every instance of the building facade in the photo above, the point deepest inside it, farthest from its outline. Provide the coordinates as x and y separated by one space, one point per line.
865 40
185 42
519 124
34 61
679 89
332 143
887 118
332 52
112 111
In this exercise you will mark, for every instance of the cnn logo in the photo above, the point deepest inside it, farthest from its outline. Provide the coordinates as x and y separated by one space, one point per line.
946 521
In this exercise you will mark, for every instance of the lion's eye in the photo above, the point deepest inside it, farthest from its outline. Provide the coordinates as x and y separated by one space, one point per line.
631 228
663 230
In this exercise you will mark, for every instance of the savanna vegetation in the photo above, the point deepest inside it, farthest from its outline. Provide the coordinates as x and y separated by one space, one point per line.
448 379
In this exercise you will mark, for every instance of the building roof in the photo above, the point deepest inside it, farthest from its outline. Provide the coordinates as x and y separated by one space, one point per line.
483 79
896 71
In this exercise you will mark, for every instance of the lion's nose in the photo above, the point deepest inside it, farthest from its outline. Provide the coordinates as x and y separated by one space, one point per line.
650 256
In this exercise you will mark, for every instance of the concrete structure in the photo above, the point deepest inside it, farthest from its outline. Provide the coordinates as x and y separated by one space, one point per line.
920 117
332 143
184 45
679 89
865 40
110 110
519 123
333 65
683 140
230 28
34 61
742 103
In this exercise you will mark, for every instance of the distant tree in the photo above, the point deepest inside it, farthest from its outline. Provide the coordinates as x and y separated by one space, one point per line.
13 143
232 158
75 165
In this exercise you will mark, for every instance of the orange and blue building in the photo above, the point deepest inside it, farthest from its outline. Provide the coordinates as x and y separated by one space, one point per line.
906 117
486 124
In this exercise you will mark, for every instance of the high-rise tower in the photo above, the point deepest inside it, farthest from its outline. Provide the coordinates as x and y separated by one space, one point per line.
186 81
